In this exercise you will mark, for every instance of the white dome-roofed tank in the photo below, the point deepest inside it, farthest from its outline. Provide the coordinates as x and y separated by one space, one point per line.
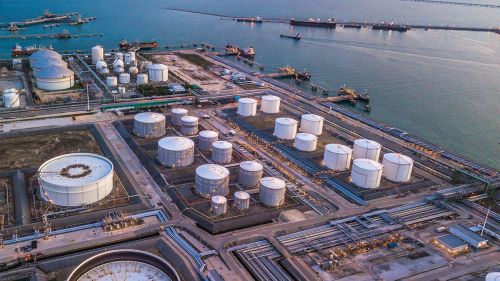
158 72
75 179
189 125
142 79
176 151
218 205
118 62
250 174
133 70
101 64
272 191
206 139
133 63
312 124
111 81
129 56
337 157
104 71
145 65
492 276
241 200
397 167
366 149
11 98
149 125
55 78
119 56
247 107
366 173
306 142
212 179
124 78
270 104
97 54
285 128
222 152
176 116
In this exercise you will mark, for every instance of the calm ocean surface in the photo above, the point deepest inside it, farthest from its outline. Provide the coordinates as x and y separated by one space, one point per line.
443 86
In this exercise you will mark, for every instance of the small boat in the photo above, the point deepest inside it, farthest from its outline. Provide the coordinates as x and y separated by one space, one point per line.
256 19
352 25
294 37
13 27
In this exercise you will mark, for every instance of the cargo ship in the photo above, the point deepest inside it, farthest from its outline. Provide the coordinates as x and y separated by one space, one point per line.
390 26
352 25
18 50
294 37
330 23
125 45
252 19
236 51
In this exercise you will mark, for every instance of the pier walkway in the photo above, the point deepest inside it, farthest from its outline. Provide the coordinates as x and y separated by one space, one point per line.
456 3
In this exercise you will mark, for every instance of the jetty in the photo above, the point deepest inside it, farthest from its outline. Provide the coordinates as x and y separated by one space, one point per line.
456 3
48 35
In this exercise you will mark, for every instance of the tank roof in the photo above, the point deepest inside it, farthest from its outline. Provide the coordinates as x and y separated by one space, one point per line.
367 164
47 63
179 110
274 183
189 119
398 158
306 137
222 144
312 117
175 143
219 199
271 98
54 73
241 195
209 134
212 171
247 100
149 117
251 166
367 143
44 53
338 148
158 66
286 121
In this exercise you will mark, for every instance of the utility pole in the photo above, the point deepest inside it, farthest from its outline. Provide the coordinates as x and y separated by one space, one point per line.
88 98
485 219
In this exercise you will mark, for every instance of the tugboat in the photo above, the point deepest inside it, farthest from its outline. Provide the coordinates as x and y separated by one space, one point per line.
390 26
125 45
330 23
294 37
352 25
256 19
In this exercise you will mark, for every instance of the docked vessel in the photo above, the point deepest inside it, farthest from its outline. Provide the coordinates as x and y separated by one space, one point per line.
390 26
330 23
125 45
248 52
18 50
352 25
256 19
294 37
13 27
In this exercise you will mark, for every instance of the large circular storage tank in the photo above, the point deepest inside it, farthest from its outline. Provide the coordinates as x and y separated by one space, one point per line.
176 151
312 124
111 81
11 98
118 69
149 125
129 57
397 167
158 72
133 70
366 149
250 174
97 54
145 64
100 65
222 152
247 107
189 125
492 276
119 56
306 142
104 71
366 173
212 179
272 191
270 104
241 200
75 179
285 128
142 79
176 116
206 139
118 63
218 205
55 78
337 157
124 78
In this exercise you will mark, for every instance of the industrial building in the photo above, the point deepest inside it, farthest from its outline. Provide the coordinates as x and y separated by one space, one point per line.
468 236
451 244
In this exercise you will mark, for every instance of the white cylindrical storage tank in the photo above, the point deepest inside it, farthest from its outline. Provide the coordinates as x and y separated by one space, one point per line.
55 78
206 139
133 63
397 167
119 56
133 70
337 157
11 98
122 90
492 276
176 116
212 180
118 70
117 63
124 78
75 179
97 54
285 128
145 65
129 56
158 72
218 205
142 79
104 71
149 125
250 174
366 149
247 107
176 151
366 173
222 152
306 142
101 64
312 124
270 104
111 81
241 200
189 125
272 191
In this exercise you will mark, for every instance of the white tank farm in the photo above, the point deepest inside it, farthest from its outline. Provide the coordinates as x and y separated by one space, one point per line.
149 125
337 157
285 128
218 205
100 65
11 98
189 125
176 116
397 167
124 78
75 179
366 173
312 124
272 191
176 151
270 104
366 149
158 72
129 57
142 79
212 179
241 200
111 81
222 152
247 107
250 174
206 139
306 142
97 54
